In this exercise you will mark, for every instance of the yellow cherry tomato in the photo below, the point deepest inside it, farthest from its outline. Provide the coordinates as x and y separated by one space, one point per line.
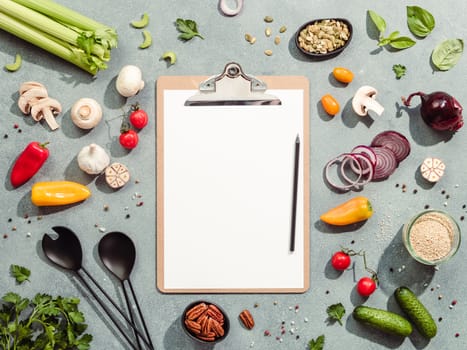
330 104
343 75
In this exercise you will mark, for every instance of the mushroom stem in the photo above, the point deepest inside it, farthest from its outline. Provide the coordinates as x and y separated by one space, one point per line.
372 105
50 119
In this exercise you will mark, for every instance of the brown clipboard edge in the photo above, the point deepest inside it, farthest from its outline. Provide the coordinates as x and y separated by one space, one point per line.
191 83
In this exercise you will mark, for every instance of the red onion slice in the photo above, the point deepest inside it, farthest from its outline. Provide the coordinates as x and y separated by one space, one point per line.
366 150
394 141
386 163
342 187
360 165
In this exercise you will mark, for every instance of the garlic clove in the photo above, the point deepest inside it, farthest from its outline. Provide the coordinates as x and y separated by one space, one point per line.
93 159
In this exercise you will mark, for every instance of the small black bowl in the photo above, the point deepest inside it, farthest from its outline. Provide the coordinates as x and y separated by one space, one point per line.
328 54
192 335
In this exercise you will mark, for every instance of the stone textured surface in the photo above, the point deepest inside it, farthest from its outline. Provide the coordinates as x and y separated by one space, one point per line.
291 319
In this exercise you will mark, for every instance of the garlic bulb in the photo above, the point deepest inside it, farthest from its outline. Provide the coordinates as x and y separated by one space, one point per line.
129 81
86 113
93 159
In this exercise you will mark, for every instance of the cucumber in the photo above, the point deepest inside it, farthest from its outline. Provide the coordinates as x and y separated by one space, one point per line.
383 320
416 312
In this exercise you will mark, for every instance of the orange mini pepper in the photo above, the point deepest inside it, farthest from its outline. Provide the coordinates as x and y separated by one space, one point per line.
53 193
354 210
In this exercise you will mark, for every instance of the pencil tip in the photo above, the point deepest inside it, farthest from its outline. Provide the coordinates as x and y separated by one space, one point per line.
297 139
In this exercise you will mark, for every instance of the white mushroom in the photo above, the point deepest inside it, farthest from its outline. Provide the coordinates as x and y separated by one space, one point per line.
46 108
129 81
364 101
93 159
86 113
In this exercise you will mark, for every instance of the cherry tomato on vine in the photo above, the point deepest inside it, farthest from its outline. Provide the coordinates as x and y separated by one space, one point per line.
343 75
366 286
129 139
340 260
330 104
138 117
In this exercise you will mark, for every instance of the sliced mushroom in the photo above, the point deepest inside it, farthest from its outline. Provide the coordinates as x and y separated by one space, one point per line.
364 101
46 108
30 96
29 85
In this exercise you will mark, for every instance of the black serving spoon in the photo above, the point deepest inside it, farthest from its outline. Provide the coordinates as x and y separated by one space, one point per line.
117 252
65 251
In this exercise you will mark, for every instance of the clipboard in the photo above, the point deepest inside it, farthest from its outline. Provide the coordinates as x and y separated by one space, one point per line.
225 173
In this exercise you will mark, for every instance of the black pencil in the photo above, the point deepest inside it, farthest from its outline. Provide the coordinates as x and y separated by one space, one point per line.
294 193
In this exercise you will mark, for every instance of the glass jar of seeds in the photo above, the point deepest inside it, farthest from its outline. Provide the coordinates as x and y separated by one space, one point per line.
431 237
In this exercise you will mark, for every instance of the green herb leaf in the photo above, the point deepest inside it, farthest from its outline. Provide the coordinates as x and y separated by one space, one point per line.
188 29
20 273
399 70
420 21
336 312
316 344
402 42
393 35
447 54
379 22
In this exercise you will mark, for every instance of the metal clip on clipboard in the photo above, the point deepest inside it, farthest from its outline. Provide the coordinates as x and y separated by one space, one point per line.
232 88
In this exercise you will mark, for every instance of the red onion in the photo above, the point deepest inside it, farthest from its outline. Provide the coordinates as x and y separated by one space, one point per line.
386 163
439 110
347 182
394 141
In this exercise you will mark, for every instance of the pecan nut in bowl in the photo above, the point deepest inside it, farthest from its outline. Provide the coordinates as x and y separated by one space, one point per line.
205 322
246 318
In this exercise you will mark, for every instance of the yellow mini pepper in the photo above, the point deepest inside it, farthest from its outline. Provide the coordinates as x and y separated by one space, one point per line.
54 193
354 210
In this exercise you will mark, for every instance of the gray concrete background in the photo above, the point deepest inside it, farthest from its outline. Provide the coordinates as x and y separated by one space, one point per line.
380 237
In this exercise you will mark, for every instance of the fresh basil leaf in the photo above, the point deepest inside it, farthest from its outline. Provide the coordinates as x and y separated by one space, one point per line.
447 54
316 344
384 41
420 21
402 42
379 21
393 35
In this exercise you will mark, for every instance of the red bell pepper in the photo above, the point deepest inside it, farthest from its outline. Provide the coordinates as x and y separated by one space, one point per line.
28 163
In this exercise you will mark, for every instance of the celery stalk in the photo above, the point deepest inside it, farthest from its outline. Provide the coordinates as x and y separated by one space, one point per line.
70 17
59 30
50 44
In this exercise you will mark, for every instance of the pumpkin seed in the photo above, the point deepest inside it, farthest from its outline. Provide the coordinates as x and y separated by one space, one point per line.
248 37
268 32
282 29
268 52
277 40
268 19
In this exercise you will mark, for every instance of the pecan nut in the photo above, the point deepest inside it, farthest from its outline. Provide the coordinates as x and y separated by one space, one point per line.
215 313
247 319
193 326
205 321
196 311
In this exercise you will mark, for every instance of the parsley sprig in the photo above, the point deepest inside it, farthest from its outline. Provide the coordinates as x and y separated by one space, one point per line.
20 273
188 29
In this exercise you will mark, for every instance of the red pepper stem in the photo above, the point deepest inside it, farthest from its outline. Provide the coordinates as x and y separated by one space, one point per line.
44 145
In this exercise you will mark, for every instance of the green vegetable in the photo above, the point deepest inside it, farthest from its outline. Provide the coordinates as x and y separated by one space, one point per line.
336 312
416 311
170 56
399 70
316 344
383 320
13 67
20 273
141 23
147 40
44 322
420 21
188 29
393 40
447 54
60 31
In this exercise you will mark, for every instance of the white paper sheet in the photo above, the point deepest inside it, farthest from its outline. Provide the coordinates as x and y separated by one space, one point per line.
228 180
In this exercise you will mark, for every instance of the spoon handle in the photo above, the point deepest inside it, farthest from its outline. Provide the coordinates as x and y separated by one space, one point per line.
140 313
107 311
120 311
130 312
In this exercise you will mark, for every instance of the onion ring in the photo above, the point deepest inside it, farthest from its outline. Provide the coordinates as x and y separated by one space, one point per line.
358 161
339 159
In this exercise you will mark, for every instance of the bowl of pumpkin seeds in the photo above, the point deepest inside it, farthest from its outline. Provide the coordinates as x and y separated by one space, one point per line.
324 38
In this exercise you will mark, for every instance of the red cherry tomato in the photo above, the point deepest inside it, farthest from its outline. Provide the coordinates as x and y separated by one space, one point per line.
138 118
129 139
366 286
340 261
